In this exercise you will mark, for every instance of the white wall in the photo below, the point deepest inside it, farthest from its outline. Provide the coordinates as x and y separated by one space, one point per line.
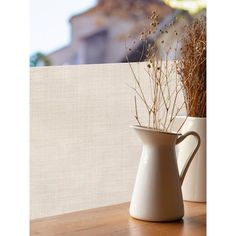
83 153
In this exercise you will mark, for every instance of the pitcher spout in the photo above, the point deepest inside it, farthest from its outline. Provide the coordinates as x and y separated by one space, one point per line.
155 137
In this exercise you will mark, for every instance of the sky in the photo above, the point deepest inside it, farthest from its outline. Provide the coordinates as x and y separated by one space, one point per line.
49 22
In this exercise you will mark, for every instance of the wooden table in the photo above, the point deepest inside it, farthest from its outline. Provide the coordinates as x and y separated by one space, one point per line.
115 220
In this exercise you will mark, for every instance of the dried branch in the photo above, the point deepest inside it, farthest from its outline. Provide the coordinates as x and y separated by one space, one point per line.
161 101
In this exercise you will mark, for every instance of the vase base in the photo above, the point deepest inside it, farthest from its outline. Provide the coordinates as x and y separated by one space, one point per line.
153 219
198 201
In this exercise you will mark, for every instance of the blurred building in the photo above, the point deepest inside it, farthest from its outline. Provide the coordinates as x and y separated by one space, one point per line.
100 34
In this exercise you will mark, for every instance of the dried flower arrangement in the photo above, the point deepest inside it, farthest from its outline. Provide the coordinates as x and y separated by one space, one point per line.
192 67
165 86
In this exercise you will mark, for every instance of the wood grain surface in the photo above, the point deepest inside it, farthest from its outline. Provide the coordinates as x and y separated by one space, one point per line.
115 220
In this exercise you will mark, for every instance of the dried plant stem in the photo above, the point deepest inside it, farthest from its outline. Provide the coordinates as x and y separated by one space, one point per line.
136 111
192 68
158 96
140 88
182 124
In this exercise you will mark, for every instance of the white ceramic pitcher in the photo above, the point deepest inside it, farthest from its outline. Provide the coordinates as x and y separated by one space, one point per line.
157 192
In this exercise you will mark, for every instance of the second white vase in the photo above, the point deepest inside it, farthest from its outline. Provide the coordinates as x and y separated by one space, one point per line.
194 185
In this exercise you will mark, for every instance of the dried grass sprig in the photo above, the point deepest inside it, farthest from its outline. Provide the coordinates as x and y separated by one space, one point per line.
192 67
164 84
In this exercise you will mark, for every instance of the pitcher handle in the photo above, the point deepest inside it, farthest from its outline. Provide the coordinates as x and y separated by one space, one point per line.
189 160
